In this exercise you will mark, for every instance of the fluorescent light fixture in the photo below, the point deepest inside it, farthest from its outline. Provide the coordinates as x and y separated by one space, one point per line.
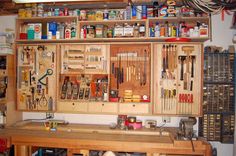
46 1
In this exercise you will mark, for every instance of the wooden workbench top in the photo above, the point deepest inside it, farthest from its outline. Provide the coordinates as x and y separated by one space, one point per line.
88 128
100 137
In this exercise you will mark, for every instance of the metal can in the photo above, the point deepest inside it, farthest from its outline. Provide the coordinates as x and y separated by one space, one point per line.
162 31
99 15
121 121
90 31
105 29
71 13
22 13
99 31
78 13
66 12
83 15
56 11
144 12
105 15
91 16
128 13
34 10
40 10
109 33
139 12
61 13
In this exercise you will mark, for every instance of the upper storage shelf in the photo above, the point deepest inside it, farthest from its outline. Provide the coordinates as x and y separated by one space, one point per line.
64 29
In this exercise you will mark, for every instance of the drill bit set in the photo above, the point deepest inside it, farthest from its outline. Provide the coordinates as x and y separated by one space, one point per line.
177 77
36 75
130 70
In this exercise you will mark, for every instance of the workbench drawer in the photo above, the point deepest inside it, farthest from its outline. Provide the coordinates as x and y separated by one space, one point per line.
134 108
102 107
72 107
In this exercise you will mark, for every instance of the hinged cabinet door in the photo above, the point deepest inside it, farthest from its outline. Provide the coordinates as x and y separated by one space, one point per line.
178 79
36 77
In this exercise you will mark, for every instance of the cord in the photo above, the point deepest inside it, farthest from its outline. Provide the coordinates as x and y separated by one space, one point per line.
162 124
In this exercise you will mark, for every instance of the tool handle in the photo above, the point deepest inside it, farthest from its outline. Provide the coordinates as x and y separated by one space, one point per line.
192 69
113 68
182 71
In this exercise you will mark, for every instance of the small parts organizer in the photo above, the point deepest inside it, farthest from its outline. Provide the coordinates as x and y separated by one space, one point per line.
218 121
84 72
177 78
36 74
130 73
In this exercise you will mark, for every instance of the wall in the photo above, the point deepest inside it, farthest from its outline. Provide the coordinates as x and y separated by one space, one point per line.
222 36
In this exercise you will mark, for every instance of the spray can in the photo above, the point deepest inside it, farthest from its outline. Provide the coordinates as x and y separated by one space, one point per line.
144 12
134 14
157 30
139 12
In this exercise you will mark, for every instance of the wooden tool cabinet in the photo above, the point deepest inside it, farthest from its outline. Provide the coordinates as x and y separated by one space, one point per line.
8 88
36 77
178 78
90 73
95 71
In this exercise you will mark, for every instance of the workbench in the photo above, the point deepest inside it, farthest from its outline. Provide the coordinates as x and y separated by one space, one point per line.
82 138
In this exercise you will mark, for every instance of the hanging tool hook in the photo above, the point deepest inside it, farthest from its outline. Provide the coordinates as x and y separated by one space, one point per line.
48 73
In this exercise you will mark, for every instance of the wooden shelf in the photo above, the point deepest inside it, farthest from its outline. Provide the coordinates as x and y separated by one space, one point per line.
46 19
177 19
111 21
146 22
129 39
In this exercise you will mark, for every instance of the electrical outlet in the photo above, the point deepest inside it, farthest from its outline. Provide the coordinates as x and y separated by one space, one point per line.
166 119
49 115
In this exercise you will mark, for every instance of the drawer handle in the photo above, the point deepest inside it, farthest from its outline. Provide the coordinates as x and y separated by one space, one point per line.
73 103
133 105
103 104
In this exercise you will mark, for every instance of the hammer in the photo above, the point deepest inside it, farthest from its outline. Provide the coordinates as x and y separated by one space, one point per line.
182 59
192 69
187 50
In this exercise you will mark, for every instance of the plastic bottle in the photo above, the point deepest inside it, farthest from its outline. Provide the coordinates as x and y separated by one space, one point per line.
67 31
61 29
157 30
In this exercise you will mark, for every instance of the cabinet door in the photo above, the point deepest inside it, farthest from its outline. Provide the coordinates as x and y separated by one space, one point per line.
36 77
103 107
72 107
134 108
178 79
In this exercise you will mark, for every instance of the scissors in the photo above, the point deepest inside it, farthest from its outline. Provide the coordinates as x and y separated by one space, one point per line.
48 73
43 100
